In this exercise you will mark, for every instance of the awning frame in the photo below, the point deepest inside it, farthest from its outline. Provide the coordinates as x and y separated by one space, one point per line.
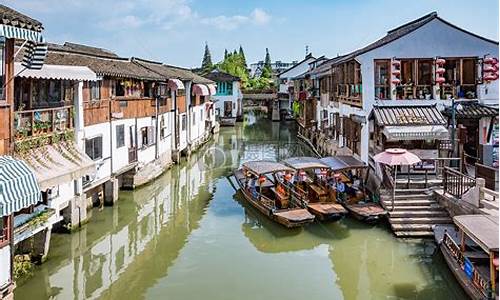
423 132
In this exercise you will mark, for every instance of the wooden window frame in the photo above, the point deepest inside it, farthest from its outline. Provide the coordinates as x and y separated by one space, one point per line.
386 85
120 140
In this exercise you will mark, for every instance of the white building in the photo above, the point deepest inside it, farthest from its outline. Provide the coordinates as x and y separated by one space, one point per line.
363 80
228 98
285 82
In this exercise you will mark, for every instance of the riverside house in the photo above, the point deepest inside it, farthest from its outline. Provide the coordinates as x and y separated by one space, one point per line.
392 92
20 198
228 98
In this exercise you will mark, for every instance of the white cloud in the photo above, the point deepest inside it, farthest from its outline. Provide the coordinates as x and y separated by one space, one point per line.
259 16
126 22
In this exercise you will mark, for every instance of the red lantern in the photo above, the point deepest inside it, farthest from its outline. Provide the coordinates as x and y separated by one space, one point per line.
440 61
288 176
396 63
489 60
262 179
490 69
323 172
396 81
302 173
440 71
440 80
395 72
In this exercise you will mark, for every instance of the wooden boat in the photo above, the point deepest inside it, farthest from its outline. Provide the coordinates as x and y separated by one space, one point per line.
227 121
319 201
266 195
472 254
356 200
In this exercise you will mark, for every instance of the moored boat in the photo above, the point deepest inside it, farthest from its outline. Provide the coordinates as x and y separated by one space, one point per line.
258 183
348 172
227 121
472 254
308 185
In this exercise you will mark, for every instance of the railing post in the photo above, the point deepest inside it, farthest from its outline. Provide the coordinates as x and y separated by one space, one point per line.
480 184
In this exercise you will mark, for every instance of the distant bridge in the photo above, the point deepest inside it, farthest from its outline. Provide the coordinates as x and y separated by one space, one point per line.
258 100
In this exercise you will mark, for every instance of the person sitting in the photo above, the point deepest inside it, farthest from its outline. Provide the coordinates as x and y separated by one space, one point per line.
340 187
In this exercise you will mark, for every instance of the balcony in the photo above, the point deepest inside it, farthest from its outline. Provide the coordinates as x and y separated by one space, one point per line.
42 122
28 224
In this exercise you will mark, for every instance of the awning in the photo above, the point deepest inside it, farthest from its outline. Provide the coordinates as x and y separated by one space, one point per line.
175 84
482 229
426 132
343 162
407 115
59 163
18 186
471 110
59 72
35 47
12 32
201 90
212 89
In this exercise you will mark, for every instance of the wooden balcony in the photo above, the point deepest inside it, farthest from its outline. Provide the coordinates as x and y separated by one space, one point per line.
38 122
96 111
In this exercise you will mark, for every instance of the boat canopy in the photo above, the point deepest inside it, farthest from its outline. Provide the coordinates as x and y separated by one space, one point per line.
305 162
482 229
343 162
264 167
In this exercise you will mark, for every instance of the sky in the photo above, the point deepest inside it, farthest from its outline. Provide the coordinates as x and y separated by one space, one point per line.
175 31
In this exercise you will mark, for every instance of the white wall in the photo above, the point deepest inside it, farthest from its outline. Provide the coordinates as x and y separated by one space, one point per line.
120 155
235 98
103 164
165 144
182 133
429 41
5 263
198 127
145 154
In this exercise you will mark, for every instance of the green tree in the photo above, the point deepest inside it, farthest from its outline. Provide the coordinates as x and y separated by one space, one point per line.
242 55
233 64
225 54
267 60
206 64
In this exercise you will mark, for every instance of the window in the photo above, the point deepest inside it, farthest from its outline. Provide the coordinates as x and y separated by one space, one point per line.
2 67
119 90
120 136
68 91
162 127
95 90
148 89
93 147
424 79
194 118
183 122
4 230
54 91
382 76
147 136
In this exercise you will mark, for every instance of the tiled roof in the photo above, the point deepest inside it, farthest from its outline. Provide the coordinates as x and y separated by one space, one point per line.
472 110
220 76
11 17
403 30
407 115
169 72
101 61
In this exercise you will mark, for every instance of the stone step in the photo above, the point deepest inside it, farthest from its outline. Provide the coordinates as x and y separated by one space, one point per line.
421 220
413 197
419 202
415 208
414 234
418 213
412 227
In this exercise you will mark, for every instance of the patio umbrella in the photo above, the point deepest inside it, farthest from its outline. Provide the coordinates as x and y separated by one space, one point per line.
396 157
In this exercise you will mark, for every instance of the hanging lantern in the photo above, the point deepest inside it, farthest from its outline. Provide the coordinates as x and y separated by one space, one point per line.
489 60
440 61
302 173
395 72
288 176
490 69
440 80
262 179
323 172
440 71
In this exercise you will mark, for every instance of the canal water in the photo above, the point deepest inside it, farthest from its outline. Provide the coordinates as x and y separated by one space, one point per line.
189 235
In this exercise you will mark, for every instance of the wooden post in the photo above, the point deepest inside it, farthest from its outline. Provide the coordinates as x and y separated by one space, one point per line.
492 273
480 183
462 241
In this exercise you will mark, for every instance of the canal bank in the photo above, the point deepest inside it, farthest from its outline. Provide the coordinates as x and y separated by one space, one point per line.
188 235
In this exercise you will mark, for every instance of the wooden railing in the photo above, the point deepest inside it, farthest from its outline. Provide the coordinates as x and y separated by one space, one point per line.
456 183
36 122
482 284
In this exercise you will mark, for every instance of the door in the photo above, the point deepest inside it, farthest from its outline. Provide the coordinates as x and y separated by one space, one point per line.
228 109
132 149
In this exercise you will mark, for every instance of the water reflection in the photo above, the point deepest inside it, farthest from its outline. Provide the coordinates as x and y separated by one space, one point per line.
188 235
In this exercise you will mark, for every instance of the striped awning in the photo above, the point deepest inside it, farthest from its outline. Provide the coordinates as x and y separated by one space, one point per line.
201 90
175 84
18 186
35 46
413 133
212 89
11 32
